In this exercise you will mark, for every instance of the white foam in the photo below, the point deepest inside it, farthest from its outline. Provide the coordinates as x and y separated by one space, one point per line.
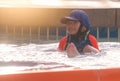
47 56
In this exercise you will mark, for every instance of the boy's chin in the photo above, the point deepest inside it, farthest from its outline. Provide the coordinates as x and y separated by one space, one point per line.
72 33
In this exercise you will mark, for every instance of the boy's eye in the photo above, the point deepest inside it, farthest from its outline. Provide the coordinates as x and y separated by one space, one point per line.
71 22
75 21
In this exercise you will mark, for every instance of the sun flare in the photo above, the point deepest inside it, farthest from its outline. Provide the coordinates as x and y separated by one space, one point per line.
47 2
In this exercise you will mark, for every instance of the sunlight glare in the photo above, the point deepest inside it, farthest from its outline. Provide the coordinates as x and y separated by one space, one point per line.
5 47
10 69
47 2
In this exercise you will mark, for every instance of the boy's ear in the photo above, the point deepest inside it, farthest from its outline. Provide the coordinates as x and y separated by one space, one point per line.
83 29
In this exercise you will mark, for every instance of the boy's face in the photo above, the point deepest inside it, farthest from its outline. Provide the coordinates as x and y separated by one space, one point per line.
72 27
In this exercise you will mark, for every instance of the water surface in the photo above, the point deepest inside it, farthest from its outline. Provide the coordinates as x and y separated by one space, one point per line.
46 57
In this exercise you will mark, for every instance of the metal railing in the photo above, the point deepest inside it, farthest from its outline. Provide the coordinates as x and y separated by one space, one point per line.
37 34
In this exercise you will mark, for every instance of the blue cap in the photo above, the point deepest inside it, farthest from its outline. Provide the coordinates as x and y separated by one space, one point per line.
77 15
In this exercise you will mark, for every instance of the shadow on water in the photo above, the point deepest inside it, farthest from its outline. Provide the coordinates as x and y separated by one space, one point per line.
32 65
18 63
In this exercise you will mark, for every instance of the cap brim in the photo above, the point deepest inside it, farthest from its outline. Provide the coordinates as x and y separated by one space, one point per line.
66 19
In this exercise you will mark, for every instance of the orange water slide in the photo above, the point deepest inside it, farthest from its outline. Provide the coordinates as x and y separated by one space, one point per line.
65 75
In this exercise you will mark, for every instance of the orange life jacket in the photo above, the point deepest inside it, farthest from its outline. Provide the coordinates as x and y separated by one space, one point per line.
91 38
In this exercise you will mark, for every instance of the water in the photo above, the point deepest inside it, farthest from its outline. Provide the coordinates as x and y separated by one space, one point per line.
29 57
